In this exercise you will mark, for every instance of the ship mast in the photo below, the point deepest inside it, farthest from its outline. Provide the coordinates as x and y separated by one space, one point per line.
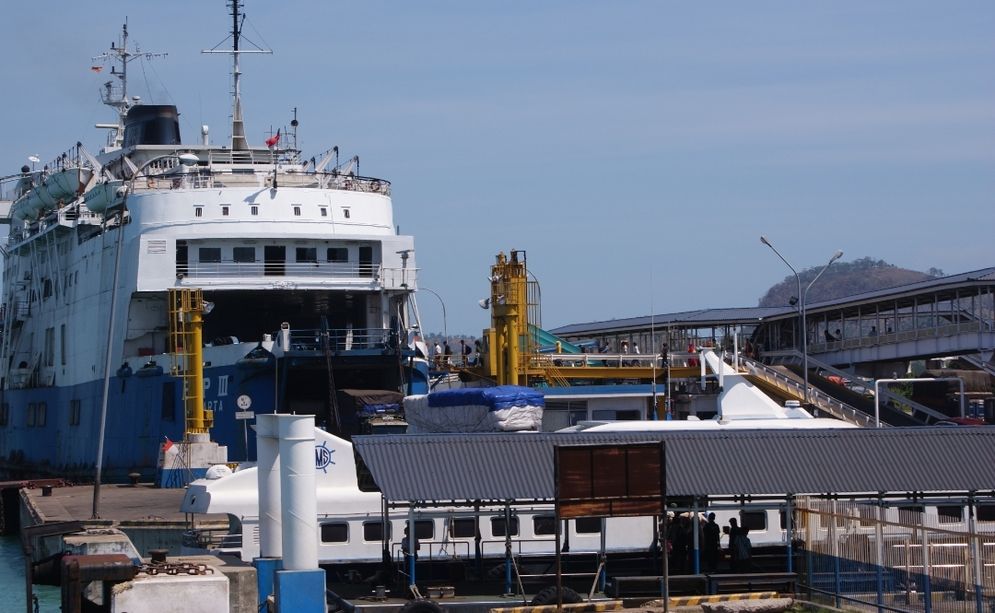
117 97
238 141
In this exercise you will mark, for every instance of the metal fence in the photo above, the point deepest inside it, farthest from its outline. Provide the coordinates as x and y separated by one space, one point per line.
870 556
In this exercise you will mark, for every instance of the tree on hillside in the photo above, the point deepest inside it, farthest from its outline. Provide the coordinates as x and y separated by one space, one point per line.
844 279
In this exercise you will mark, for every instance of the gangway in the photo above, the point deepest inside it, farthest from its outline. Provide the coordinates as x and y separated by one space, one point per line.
978 362
546 340
921 413
818 398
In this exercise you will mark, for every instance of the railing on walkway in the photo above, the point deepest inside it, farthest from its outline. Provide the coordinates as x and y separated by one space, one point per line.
898 337
866 556
818 398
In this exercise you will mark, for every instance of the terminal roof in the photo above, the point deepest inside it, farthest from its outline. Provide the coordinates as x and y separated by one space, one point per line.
464 468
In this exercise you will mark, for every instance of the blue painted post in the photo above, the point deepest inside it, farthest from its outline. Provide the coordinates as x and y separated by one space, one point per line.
300 591
266 576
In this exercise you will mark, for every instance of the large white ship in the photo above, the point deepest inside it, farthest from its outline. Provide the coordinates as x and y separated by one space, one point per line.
292 263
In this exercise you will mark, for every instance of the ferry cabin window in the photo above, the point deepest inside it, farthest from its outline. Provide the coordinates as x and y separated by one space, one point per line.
337 254
209 255
225 210
4 414
62 344
373 531
345 213
498 529
424 529
307 255
463 528
952 514
753 520
297 211
244 254
254 210
588 525
198 211
181 258
75 409
543 524
985 512
49 346
324 211
30 418
366 261
335 532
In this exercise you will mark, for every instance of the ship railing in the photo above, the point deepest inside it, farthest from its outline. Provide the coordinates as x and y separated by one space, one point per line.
285 272
338 339
211 539
214 178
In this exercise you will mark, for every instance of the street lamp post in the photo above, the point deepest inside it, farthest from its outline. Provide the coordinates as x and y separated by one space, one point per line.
445 330
186 160
801 313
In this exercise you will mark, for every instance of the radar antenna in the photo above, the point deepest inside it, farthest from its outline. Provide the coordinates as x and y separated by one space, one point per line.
238 142
116 95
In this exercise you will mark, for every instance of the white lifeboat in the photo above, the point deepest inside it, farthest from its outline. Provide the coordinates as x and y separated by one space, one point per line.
103 196
59 186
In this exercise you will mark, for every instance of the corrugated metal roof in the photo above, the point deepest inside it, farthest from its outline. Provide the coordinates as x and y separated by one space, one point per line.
732 316
519 466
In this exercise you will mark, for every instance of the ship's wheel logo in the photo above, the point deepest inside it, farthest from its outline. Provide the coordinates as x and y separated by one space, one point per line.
323 457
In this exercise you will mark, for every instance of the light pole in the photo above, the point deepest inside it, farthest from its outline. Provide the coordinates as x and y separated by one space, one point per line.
445 330
801 313
186 160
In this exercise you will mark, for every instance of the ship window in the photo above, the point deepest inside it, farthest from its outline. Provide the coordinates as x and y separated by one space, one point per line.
753 520
244 254
782 517
4 414
307 254
324 211
424 529
463 528
338 254
40 412
366 261
74 412
588 525
274 257
297 211
46 288
209 255
498 526
543 524
337 532
345 213
985 512
224 210
49 346
30 421
198 211
62 344
254 210
949 514
373 531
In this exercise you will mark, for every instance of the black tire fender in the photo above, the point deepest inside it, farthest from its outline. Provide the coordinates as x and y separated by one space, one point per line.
421 606
548 596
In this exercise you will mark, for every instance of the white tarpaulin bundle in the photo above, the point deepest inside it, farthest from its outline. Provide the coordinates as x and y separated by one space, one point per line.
505 408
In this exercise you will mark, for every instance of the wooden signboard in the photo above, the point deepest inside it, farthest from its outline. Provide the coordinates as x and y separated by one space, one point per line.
610 480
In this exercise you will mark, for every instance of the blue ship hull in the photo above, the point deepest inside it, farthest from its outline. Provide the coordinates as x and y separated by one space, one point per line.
54 431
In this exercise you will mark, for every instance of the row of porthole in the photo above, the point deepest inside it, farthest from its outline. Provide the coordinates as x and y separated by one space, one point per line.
198 211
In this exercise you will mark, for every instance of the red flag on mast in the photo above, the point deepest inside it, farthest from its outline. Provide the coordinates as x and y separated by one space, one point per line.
273 140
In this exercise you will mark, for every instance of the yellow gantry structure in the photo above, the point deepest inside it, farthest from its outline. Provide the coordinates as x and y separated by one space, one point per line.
511 347
186 314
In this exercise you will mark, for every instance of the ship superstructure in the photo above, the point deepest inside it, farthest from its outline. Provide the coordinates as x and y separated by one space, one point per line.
307 290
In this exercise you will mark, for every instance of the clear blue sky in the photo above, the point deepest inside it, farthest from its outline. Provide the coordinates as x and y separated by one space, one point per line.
635 150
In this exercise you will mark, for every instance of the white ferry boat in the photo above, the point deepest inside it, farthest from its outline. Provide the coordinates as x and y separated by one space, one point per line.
307 289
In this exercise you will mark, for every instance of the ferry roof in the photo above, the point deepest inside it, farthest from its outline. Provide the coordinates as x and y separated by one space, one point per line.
462 468
747 315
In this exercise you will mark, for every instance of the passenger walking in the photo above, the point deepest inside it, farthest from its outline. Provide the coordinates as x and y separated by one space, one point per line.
739 547
448 352
711 552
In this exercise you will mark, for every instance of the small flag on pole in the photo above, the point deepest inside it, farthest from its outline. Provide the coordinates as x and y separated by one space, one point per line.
273 140
97 68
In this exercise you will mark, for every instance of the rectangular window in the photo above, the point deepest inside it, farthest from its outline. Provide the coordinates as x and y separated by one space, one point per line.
345 213
337 254
463 528
424 529
181 258
4 414
324 211
198 211
373 531
274 258
498 526
753 520
297 211
366 261
41 414
543 524
308 255
588 525
244 254
30 418
75 411
253 210
335 532
985 512
49 346
62 344
949 514
209 255
225 210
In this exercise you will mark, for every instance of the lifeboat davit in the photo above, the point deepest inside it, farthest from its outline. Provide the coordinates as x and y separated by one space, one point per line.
61 186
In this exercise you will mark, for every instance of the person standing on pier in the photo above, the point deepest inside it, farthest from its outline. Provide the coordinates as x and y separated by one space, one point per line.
711 543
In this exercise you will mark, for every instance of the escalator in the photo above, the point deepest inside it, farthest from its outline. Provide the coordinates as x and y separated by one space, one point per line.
890 414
